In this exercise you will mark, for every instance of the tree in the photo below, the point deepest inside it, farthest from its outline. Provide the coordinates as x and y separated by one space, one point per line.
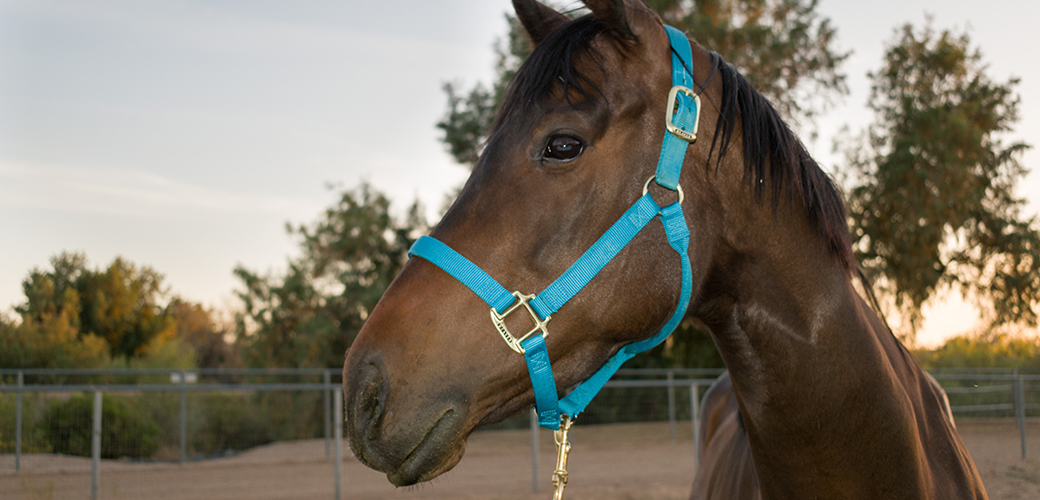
122 304
933 200
468 118
985 350
50 341
782 46
309 316
195 327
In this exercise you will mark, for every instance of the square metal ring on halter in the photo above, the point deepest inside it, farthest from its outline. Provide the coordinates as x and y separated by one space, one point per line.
500 325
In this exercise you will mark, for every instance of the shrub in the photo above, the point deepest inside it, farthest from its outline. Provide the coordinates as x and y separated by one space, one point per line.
229 422
125 432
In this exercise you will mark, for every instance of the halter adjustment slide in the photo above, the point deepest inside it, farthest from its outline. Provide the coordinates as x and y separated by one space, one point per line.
500 325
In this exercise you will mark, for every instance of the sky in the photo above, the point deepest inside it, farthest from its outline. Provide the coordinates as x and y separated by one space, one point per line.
184 135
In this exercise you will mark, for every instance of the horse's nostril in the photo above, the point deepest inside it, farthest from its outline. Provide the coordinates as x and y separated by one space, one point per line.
366 398
372 402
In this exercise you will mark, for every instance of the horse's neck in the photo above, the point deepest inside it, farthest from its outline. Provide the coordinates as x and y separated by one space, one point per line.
821 383
789 331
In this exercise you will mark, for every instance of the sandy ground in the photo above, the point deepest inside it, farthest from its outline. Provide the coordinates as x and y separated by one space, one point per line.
608 462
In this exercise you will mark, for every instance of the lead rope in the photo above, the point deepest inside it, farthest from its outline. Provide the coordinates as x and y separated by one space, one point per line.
563 449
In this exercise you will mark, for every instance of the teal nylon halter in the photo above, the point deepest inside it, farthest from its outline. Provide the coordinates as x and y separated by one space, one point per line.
681 122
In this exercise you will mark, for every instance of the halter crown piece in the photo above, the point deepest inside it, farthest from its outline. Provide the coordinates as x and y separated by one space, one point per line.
681 119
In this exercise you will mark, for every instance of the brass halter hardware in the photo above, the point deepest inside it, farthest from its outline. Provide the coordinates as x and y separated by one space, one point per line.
563 448
513 341
646 188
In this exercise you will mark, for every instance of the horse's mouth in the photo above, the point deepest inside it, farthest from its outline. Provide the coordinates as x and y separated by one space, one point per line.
437 452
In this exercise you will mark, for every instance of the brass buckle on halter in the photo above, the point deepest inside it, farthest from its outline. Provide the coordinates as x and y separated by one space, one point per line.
686 135
500 325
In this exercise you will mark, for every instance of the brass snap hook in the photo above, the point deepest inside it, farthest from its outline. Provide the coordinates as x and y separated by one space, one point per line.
563 449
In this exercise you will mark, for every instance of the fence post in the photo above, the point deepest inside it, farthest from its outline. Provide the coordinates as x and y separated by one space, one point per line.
671 404
184 418
18 424
1020 411
338 403
695 409
534 451
327 380
95 447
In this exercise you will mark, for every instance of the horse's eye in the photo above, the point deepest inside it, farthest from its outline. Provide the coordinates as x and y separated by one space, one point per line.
563 147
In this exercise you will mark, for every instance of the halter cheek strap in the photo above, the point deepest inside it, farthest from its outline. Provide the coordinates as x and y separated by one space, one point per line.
681 122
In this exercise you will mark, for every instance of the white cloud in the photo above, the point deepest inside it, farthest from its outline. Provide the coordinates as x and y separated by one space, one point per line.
115 191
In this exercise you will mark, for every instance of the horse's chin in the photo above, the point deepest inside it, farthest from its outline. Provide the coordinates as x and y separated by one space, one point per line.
419 456
428 462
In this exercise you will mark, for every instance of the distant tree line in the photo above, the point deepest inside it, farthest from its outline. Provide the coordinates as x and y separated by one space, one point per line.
76 316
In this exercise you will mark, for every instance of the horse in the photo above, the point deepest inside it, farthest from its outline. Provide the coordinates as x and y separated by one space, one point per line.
832 404
727 471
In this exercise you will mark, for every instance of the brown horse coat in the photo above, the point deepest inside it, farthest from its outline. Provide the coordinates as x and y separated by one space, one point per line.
727 471
832 405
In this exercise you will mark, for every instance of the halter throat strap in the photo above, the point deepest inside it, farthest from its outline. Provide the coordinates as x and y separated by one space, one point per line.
681 120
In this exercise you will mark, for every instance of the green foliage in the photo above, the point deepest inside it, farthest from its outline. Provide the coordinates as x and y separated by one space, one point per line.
32 442
309 316
125 431
173 354
467 121
983 351
933 200
197 330
122 304
690 345
50 342
228 422
470 113
782 46
78 317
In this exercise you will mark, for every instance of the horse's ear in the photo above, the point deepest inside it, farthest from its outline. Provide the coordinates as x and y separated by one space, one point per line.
626 19
612 13
538 20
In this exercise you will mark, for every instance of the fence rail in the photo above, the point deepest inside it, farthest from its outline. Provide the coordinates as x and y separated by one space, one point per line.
185 399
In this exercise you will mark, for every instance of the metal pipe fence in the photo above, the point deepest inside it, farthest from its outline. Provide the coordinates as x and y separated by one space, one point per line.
186 415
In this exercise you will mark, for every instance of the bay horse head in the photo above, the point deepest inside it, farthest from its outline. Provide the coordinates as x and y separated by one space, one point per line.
571 149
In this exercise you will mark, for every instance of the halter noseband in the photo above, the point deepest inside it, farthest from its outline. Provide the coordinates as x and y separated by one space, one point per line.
681 120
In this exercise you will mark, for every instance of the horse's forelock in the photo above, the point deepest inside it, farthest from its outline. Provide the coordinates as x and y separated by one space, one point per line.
552 65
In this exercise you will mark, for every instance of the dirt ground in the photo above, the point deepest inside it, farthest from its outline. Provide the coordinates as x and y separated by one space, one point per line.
608 462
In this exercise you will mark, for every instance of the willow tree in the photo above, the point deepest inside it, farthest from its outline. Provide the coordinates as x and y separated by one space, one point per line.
932 197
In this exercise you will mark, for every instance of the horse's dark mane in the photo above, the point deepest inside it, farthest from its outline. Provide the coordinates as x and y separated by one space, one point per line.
767 139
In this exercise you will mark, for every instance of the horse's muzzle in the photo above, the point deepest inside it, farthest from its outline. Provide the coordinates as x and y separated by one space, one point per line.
408 440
